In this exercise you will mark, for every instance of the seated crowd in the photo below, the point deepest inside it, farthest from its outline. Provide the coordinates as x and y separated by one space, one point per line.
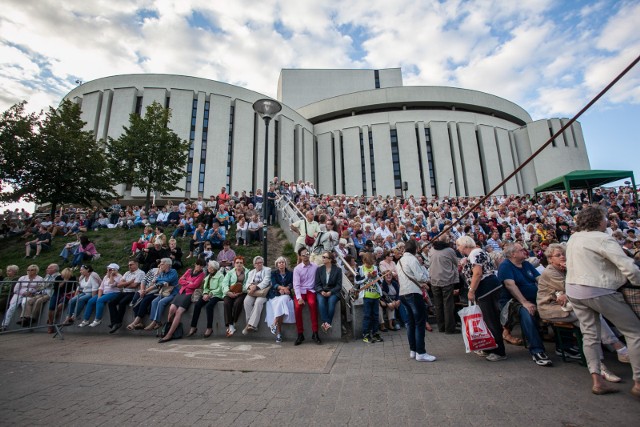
508 255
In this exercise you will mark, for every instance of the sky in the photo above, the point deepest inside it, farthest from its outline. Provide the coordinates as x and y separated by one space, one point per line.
550 57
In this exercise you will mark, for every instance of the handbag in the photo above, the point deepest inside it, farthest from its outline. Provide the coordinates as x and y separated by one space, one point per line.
196 295
308 240
475 333
261 293
236 288
166 290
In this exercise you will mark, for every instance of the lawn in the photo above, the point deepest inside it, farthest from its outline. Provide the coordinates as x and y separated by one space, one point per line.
114 245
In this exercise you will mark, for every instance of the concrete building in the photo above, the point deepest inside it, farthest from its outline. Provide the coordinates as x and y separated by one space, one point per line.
348 131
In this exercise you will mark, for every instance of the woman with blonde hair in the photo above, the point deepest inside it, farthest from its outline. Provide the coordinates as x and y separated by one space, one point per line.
280 307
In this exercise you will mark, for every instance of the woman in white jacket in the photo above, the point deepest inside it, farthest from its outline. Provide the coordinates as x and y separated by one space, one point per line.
596 268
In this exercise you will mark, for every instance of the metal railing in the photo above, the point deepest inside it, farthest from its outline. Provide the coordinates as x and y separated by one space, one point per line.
30 305
291 214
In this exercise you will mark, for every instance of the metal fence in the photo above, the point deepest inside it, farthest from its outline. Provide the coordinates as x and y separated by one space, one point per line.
27 305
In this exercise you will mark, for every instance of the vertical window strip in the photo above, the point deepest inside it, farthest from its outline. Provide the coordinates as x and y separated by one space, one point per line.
395 159
333 163
276 147
344 186
432 174
420 167
192 137
376 77
364 175
203 148
138 106
373 166
230 145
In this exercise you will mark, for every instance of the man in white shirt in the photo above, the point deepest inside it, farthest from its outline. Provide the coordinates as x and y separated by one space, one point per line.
129 284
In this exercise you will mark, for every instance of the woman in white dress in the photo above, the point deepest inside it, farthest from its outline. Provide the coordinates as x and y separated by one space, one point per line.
280 303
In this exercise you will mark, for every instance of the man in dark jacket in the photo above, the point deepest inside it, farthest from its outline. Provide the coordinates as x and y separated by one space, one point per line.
443 272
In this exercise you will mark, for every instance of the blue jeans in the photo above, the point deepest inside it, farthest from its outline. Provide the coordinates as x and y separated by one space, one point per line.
529 326
417 314
370 315
80 300
98 303
158 305
79 258
327 307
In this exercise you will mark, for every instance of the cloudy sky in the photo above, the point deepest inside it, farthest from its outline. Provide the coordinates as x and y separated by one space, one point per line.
550 57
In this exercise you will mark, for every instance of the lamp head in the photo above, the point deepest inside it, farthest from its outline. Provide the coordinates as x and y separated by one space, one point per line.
267 108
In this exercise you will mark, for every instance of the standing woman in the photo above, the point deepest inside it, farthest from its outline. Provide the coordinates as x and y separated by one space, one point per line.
328 285
211 295
280 298
596 268
189 282
412 279
478 271
234 288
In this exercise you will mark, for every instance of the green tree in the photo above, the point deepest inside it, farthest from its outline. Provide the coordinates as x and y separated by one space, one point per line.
64 163
149 155
16 136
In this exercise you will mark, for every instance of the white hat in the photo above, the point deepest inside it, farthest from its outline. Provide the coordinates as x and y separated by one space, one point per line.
113 266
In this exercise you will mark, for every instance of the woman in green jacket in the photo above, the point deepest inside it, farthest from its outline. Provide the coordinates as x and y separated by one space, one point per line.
211 294
234 288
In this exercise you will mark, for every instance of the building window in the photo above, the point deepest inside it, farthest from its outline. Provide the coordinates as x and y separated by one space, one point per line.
276 146
373 166
167 102
344 186
395 159
230 145
333 163
376 76
203 148
432 174
192 137
362 167
139 106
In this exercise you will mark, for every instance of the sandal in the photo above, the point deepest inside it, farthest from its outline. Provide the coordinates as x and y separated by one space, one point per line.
132 326
511 339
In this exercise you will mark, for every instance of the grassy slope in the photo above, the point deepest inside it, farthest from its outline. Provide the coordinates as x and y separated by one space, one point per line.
114 245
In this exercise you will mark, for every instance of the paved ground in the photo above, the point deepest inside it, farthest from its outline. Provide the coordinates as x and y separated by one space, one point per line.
98 380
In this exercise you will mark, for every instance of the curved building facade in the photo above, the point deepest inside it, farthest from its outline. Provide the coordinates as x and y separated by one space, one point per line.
348 131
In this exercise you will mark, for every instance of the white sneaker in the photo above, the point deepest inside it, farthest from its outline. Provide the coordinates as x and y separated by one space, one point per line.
232 328
481 353
426 357
412 354
83 324
95 323
245 331
608 375
493 357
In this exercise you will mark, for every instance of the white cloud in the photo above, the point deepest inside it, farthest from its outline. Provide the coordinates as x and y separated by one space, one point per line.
527 51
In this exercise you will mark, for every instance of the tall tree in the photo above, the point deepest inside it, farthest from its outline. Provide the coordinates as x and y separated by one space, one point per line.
149 155
16 136
64 163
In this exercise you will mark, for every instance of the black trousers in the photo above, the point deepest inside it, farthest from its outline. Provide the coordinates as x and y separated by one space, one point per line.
444 303
208 308
118 306
233 308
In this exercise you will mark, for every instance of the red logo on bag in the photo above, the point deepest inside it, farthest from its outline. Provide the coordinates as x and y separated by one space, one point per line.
478 336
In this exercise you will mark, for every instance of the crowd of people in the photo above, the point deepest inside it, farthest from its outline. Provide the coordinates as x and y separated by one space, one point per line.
514 256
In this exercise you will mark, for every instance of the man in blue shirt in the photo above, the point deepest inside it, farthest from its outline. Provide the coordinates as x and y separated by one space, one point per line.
216 236
520 283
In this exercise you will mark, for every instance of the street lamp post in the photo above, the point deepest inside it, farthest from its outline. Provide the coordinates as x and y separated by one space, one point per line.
450 184
267 109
